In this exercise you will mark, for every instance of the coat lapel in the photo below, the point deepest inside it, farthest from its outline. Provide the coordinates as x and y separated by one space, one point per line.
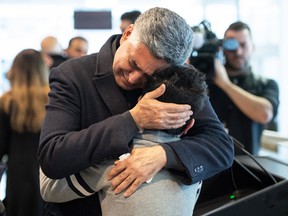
111 94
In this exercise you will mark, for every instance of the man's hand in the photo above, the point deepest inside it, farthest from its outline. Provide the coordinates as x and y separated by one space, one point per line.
221 78
142 165
150 113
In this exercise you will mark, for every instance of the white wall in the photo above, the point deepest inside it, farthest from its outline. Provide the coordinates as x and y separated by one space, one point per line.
24 24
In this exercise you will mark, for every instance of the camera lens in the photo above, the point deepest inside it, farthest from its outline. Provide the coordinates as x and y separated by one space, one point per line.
230 44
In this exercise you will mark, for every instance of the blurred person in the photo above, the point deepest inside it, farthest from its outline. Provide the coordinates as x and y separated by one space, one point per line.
184 85
22 111
244 102
51 45
128 18
95 116
77 47
52 51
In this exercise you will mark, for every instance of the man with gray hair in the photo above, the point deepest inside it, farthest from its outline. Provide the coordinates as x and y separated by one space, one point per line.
171 197
95 116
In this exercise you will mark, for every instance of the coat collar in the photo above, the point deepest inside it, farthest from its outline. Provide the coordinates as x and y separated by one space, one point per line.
106 54
104 80
111 94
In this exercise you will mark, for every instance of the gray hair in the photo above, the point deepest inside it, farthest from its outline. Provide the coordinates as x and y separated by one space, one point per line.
166 34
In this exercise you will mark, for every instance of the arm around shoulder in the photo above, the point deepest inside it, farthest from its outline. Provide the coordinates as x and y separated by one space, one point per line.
206 150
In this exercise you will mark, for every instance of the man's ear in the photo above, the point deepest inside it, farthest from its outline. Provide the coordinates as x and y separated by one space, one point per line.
188 125
140 97
127 33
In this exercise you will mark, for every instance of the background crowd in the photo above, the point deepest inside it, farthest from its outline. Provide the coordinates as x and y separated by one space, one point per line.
22 107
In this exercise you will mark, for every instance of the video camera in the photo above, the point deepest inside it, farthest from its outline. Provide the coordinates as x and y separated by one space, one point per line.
207 47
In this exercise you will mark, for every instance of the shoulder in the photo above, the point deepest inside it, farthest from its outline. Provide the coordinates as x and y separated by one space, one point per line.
261 79
83 63
261 83
76 68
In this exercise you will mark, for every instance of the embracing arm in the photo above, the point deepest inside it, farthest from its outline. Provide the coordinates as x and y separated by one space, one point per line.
78 130
205 151
63 153
55 190
80 185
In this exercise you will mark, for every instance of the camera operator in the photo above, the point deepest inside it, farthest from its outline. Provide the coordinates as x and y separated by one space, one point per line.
243 101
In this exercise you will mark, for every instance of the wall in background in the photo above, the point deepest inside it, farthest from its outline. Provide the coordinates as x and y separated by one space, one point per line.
24 25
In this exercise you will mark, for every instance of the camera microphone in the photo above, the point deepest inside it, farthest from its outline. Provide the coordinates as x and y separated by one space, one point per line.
198 40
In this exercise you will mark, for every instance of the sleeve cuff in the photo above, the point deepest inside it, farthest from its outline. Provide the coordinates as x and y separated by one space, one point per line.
173 161
131 127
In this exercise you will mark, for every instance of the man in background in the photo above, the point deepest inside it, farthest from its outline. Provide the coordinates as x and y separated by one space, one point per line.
52 51
51 45
77 47
128 18
244 102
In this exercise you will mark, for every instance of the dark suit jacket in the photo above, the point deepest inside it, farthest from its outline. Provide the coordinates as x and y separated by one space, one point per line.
88 120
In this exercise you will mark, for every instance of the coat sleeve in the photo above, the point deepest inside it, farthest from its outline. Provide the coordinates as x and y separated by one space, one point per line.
85 183
271 93
56 190
206 150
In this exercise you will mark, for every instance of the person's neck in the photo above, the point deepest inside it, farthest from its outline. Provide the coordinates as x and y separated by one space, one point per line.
233 72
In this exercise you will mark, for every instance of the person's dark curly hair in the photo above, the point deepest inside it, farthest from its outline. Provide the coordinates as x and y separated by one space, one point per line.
184 85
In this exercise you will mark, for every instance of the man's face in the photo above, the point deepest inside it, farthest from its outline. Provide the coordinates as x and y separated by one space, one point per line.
133 63
78 48
239 59
124 24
